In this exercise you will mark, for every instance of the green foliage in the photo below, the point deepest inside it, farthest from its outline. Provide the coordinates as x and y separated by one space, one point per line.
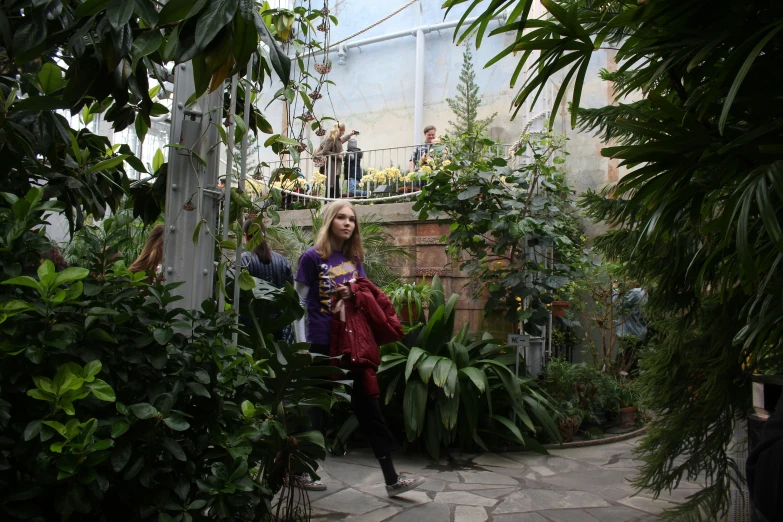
506 219
466 103
97 246
698 218
455 388
118 404
409 299
581 389
97 57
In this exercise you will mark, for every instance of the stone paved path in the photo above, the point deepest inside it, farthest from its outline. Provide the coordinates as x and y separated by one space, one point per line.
570 485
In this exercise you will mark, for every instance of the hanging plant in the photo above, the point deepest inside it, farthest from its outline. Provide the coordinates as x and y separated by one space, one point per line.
320 132
308 116
315 95
323 68
301 147
323 27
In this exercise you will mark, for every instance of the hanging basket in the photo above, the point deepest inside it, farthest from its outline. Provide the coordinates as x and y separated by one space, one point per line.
301 147
323 68
315 95
320 132
325 11
308 116
322 27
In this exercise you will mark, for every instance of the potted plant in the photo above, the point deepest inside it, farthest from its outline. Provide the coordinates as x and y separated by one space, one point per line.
409 299
628 400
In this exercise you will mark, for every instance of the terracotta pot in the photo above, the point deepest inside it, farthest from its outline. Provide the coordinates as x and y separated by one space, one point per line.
559 308
627 417
407 314
568 426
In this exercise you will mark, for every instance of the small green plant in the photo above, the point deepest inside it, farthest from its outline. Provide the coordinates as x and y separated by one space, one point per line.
455 388
409 299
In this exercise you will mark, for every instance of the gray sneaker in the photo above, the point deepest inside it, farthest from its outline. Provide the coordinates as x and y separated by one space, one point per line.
403 484
305 481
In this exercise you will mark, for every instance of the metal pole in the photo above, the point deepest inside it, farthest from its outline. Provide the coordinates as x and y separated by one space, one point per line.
227 193
241 184
192 198
418 103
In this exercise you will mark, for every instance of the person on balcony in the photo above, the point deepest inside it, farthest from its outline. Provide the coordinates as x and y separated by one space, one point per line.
332 150
353 168
421 152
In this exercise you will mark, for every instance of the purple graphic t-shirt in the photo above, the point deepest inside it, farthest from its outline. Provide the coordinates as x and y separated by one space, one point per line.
323 277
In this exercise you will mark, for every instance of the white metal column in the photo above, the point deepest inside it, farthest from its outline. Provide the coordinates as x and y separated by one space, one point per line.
192 196
418 103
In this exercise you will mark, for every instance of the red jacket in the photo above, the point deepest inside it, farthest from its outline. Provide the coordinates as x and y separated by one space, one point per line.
359 326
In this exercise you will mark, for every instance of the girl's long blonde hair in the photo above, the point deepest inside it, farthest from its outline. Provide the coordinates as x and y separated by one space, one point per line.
152 253
334 134
352 248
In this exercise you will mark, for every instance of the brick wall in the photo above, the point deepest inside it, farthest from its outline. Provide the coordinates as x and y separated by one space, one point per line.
423 238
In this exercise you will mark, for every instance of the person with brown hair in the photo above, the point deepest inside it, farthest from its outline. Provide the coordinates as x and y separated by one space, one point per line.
332 149
151 257
56 257
264 263
325 282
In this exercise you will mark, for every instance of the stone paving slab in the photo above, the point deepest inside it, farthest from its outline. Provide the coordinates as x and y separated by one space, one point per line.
586 484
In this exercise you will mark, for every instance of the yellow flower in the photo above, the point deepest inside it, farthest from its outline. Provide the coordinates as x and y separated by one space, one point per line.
446 163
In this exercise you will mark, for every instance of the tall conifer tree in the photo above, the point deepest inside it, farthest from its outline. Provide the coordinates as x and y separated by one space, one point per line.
465 105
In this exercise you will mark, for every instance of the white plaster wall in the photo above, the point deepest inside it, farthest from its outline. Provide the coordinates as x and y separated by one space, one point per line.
374 90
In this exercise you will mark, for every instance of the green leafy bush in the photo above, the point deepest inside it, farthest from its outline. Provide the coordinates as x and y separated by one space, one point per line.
116 405
456 389
505 217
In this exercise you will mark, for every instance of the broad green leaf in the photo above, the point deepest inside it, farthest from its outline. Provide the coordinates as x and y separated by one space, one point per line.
70 275
32 430
414 408
158 159
217 15
477 377
413 359
441 372
176 10
23 281
176 422
246 281
51 78
511 427
426 367
119 427
173 447
109 163
143 410
102 390
119 12
92 368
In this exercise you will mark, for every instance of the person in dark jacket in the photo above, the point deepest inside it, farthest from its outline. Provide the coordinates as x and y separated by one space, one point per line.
352 164
764 470
268 265
322 281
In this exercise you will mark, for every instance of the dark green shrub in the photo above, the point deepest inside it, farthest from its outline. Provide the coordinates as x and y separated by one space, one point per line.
116 405
455 389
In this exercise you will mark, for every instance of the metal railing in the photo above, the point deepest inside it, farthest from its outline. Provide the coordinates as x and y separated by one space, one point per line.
362 176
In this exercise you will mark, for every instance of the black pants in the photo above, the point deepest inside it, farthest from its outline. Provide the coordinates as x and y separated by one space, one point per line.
367 411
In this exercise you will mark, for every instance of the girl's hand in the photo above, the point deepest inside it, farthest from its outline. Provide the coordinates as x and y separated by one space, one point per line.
343 292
